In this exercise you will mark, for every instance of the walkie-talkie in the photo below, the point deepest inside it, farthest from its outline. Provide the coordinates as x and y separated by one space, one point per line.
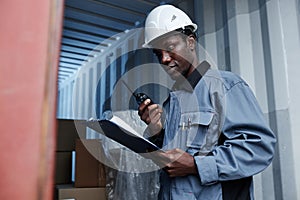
139 97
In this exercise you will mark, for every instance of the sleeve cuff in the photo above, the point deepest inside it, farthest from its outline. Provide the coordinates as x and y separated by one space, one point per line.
207 169
147 133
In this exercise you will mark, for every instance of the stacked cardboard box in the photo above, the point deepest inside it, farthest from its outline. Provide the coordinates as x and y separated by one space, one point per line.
65 192
89 172
68 131
63 167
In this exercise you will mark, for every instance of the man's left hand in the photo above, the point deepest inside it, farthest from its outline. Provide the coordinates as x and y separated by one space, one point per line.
178 163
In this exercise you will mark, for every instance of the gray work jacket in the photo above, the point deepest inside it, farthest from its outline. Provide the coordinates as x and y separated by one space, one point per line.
219 122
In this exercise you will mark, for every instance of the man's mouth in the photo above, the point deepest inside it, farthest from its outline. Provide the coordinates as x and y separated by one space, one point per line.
172 67
172 70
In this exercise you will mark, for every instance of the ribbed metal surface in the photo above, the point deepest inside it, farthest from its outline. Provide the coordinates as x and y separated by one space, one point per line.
88 23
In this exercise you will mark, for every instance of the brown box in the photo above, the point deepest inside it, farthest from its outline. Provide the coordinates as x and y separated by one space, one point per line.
69 192
68 130
63 167
89 171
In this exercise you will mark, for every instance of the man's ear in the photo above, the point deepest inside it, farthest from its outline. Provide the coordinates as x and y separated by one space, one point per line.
191 42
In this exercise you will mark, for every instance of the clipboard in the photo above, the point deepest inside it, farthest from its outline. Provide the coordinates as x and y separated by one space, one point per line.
116 130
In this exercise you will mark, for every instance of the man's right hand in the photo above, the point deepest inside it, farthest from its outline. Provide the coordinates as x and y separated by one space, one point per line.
151 115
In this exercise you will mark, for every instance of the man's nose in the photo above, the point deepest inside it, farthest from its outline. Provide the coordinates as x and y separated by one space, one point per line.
165 56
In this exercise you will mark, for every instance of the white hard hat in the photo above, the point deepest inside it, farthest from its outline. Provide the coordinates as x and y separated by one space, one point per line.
164 19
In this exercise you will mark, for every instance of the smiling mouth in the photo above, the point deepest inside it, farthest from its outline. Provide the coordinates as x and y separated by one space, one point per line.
172 70
171 67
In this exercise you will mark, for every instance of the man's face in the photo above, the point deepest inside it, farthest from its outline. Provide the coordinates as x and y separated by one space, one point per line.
175 55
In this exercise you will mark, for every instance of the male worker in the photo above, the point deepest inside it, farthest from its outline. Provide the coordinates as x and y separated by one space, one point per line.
212 130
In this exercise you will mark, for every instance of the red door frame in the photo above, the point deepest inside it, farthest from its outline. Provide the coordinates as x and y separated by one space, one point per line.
30 34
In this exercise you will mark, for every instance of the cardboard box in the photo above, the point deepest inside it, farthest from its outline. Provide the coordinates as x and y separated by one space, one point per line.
89 171
68 130
64 192
63 167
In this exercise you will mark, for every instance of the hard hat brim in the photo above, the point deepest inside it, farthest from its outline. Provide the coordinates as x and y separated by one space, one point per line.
151 43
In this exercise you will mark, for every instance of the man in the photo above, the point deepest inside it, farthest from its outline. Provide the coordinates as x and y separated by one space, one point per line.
212 130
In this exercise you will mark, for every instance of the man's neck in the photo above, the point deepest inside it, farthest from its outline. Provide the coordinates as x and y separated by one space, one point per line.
193 78
192 67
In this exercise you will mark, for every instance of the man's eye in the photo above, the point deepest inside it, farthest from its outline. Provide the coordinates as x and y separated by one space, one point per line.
170 48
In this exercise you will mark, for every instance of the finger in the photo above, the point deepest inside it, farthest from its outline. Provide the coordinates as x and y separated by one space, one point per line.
142 107
145 103
156 118
160 158
145 117
154 109
149 112
174 154
172 173
147 120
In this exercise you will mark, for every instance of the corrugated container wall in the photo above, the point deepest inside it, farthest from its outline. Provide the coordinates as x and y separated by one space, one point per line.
257 39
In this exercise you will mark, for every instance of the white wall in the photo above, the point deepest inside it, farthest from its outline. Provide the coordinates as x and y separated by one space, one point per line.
259 40
289 13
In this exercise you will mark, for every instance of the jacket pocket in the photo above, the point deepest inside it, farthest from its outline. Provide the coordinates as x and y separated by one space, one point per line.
195 125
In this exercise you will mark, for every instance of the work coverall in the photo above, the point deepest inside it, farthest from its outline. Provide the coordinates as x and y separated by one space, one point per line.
217 119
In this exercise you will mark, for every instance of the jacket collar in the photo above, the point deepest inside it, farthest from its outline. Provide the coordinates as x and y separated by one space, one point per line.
191 81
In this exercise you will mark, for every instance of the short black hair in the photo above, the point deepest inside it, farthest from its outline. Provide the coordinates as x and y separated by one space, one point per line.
188 30
183 32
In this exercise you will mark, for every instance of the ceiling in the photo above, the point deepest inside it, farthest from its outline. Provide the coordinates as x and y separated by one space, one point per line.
88 23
